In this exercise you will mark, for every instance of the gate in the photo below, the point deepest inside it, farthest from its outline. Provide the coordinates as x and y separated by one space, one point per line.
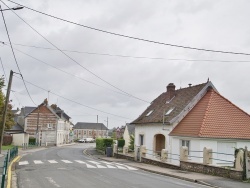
138 154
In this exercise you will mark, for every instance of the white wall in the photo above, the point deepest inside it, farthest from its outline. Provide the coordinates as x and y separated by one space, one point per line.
126 137
19 139
149 131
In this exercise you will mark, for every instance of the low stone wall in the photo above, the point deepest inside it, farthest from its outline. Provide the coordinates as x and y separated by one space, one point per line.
212 170
159 163
122 156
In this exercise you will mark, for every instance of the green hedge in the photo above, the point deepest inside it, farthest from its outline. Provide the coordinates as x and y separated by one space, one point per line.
32 141
102 143
121 143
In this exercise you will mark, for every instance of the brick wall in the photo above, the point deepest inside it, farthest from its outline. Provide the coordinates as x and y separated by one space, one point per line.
212 170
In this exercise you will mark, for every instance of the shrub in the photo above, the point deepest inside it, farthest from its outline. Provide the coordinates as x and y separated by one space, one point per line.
121 143
102 143
32 141
7 140
132 142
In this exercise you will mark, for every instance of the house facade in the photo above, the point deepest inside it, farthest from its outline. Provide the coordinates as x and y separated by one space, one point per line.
129 130
89 130
153 126
214 123
49 125
195 117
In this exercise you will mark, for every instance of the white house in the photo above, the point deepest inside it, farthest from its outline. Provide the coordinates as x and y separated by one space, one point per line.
196 117
129 130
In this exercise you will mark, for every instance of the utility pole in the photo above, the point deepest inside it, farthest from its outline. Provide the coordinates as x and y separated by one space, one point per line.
37 125
107 127
97 118
5 109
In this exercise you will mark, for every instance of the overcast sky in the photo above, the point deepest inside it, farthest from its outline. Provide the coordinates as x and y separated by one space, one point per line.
85 78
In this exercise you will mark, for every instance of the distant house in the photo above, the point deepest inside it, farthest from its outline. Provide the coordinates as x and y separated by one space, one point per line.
89 130
50 126
129 130
196 116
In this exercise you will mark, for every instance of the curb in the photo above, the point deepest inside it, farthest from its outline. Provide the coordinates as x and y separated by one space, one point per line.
10 169
161 173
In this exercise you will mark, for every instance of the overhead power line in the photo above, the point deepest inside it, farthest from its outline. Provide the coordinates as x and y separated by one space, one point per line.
73 100
129 56
74 59
61 70
15 55
131 37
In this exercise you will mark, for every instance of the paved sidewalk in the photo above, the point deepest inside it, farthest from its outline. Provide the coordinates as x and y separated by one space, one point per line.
212 181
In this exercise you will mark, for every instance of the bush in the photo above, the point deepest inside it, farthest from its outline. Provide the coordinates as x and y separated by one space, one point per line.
102 143
121 143
32 141
7 140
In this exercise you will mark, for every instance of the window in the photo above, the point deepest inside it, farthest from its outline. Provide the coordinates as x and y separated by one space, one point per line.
169 111
85 132
185 143
50 126
150 112
90 132
141 137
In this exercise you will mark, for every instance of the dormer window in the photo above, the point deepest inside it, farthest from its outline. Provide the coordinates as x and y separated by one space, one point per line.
169 111
168 101
150 112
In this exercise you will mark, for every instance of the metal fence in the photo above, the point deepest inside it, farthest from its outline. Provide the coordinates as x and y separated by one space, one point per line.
11 154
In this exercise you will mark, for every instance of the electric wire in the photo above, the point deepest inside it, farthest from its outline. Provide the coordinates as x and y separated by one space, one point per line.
61 70
15 55
131 37
73 100
74 59
130 56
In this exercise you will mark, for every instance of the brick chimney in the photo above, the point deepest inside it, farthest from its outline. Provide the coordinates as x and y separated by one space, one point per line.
171 90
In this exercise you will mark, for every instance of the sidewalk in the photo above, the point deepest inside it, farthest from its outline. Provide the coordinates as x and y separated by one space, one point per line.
212 181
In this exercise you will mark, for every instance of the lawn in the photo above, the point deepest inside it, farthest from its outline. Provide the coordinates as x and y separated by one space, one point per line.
7 147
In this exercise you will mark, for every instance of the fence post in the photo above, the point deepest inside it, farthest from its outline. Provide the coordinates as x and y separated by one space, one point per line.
125 150
143 151
115 147
207 156
239 160
137 153
247 164
164 155
183 153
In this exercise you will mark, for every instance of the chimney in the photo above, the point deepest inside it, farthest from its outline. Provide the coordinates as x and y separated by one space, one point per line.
171 90
190 85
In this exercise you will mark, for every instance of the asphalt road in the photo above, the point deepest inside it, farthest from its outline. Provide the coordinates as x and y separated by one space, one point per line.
68 167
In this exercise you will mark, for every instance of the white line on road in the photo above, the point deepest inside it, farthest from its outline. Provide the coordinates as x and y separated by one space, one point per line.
66 161
38 162
52 181
120 167
81 162
90 166
94 162
100 166
52 161
23 163
109 166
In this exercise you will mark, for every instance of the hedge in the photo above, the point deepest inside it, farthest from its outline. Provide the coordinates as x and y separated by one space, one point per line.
7 140
32 141
103 143
121 143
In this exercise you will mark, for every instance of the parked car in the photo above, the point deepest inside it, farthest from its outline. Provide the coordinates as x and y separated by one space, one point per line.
90 140
83 140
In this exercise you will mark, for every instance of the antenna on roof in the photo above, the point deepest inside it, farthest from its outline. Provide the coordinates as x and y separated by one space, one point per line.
208 79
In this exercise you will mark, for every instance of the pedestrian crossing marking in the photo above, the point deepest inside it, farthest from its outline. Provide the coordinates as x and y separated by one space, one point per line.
66 161
90 166
23 163
38 162
100 166
52 161
109 166
94 164
81 162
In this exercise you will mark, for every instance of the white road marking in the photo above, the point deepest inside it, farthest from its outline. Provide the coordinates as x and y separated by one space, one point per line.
90 166
23 163
109 166
66 161
81 162
120 167
94 162
100 166
106 162
38 162
52 161
52 182
128 167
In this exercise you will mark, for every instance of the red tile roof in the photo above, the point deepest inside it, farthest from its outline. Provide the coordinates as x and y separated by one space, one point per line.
214 117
